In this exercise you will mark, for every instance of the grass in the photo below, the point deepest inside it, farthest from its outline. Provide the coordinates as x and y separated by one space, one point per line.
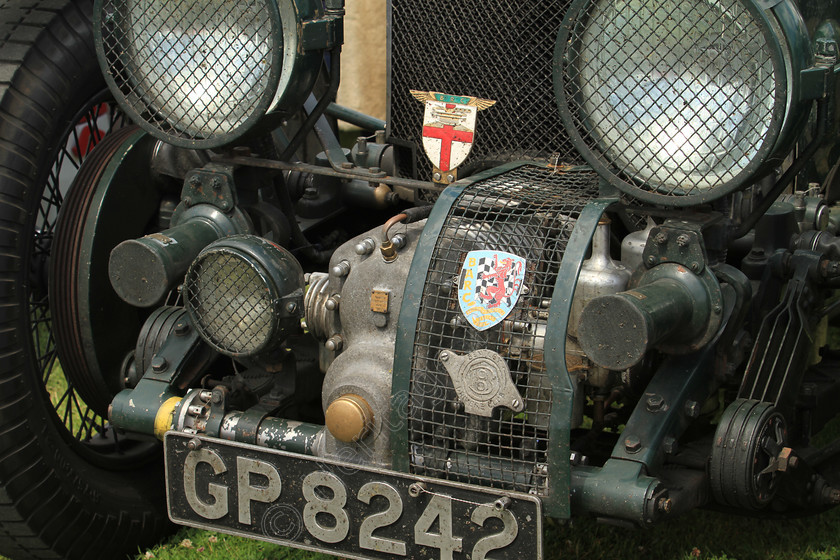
700 534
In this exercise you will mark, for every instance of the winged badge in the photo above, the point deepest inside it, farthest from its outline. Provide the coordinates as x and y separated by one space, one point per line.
449 129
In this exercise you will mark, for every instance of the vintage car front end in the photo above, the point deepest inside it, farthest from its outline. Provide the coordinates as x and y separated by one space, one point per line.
586 268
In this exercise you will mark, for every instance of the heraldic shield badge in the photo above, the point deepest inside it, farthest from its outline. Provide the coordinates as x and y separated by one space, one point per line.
489 286
449 127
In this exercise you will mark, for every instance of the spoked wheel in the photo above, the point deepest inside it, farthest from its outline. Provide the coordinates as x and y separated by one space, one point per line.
69 485
749 438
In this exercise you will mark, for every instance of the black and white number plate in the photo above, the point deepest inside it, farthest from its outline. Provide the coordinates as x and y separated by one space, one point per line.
341 509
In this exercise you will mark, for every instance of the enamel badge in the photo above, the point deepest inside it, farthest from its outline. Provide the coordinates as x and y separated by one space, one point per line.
449 130
489 286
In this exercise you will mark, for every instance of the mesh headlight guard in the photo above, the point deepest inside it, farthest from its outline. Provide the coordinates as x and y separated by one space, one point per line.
680 102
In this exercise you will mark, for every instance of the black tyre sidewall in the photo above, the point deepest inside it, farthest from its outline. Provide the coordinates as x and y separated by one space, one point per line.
52 500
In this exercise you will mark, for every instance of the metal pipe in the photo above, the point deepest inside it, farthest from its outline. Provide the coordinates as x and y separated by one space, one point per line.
361 174
277 433
354 117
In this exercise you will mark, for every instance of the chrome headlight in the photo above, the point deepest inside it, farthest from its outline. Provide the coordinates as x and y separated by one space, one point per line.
244 295
200 74
679 102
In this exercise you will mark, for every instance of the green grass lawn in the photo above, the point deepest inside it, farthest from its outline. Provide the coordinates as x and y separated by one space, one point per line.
700 534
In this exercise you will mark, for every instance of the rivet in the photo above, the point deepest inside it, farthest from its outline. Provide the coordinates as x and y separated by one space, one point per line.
651 260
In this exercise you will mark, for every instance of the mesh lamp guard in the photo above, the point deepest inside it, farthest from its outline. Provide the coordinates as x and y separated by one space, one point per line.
201 74
244 295
680 103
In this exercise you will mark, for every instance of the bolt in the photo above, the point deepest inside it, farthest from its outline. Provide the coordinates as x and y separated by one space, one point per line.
632 444
436 176
332 303
651 260
195 180
346 165
224 205
661 238
695 267
216 398
374 170
450 178
655 402
692 409
216 184
194 443
399 240
793 461
670 446
341 269
334 343
502 503
683 240
159 364
526 290
416 488
365 246
291 307
182 328
664 505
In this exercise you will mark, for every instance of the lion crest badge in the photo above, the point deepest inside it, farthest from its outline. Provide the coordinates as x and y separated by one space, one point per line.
489 286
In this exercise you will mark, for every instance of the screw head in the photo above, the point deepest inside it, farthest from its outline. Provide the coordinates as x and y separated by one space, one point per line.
195 180
291 307
695 267
683 240
444 357
661 238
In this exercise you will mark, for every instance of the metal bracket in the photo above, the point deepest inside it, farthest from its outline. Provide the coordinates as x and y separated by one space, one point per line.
323 33
213 184
676 241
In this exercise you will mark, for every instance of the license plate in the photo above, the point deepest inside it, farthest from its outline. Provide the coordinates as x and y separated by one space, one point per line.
343 509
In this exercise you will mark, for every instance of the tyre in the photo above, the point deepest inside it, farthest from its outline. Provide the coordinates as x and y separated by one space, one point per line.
70 486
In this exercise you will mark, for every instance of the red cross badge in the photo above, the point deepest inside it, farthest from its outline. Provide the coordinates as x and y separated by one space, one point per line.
449 130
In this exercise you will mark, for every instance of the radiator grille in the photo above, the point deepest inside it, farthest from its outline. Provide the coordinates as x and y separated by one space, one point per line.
490 49
530 212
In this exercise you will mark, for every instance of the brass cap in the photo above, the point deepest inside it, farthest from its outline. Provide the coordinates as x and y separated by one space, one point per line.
349 418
